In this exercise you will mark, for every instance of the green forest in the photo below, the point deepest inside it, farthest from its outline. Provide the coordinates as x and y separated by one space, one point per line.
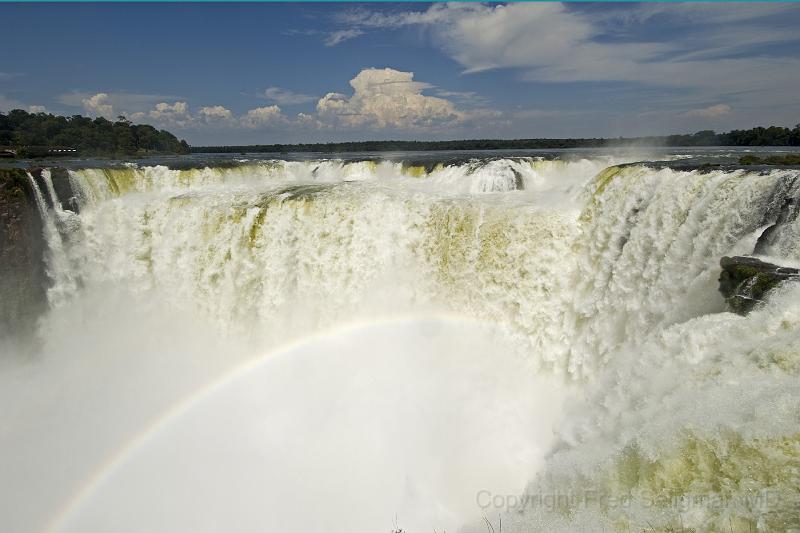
771 136
28 132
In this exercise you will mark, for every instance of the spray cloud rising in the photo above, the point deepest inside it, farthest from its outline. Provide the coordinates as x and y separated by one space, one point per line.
325 345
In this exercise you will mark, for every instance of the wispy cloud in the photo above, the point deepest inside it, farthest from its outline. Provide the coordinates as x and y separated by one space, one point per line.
709 112
10 75
286 97
329 38
341 36
464 97
555 43
7 104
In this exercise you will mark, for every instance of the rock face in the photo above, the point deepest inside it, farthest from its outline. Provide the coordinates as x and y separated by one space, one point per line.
22 275
745 281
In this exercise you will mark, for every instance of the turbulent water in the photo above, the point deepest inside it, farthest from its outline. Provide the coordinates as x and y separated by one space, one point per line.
373 345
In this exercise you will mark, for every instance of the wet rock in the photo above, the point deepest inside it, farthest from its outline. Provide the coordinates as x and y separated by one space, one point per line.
746 281
22 286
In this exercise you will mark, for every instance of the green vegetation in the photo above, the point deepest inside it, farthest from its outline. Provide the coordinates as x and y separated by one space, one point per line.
13 183
28 133
772 136
789 159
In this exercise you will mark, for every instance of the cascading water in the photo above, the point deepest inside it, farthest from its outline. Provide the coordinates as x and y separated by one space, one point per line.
506 287
250 245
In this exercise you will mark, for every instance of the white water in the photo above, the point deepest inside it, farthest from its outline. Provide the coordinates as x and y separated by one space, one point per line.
605 285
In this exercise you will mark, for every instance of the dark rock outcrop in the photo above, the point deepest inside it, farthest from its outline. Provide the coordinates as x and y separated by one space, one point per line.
745 281
22 275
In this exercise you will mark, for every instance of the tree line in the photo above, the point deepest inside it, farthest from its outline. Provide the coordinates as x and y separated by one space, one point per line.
99 137
102 137
771 136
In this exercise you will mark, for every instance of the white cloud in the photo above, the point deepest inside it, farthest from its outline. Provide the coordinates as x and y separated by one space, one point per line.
98 106
311 121
7 104
120 101
381 99
286 97
215 113
464 97
175 108
165 115
387 98
262 117
709 112
706 13
341 36
550 42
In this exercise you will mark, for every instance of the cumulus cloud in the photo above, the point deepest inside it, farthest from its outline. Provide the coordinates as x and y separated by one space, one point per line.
164 114
309 121
37 109
382 99
709 112
121 102
262 117
215 113
551 42
286 97
387 98
175 113
98 106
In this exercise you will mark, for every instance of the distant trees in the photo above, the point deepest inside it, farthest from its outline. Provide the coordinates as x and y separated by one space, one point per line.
100 136
772 136
97 136
701 138
408 146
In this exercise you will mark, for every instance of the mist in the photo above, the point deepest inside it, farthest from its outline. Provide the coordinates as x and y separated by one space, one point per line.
361 346
132 417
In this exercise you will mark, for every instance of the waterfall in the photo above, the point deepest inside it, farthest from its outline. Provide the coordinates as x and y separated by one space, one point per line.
594 280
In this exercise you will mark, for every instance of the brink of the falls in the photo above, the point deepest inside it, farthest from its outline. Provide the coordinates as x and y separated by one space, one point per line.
363 345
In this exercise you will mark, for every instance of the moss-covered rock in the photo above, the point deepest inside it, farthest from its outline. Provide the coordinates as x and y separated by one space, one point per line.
745 281
22 287
788 159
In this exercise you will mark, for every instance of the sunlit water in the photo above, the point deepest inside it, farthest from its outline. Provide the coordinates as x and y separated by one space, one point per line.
357 345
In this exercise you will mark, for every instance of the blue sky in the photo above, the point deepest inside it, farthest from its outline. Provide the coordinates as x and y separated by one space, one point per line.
264 73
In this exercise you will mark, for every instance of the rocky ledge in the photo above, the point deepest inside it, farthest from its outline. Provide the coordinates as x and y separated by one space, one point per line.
745 281
22 289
